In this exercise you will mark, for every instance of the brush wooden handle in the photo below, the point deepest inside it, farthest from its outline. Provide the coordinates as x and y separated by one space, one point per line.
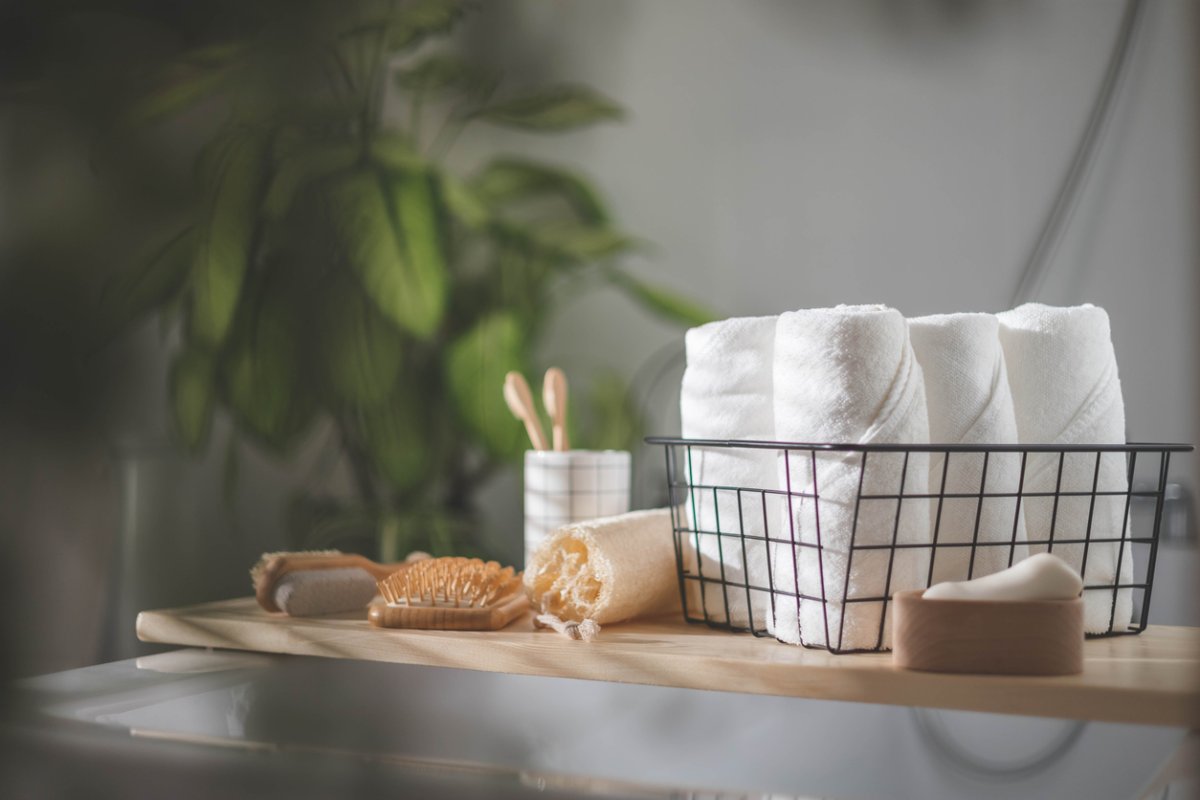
447 618
554 397
520 403
286 563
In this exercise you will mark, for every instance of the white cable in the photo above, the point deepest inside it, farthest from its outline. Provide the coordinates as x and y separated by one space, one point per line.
1047 242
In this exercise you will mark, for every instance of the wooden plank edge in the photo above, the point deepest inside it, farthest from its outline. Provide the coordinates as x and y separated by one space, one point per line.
631 663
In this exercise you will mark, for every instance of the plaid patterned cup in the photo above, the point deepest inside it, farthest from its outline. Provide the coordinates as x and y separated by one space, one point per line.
572 486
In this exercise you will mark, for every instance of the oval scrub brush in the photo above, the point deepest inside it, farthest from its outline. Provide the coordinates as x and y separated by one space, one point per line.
316 582
451 593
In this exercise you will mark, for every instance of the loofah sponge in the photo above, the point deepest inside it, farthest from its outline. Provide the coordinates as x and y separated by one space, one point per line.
606 570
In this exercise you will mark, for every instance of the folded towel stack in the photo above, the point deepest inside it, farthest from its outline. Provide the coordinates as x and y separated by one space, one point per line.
727 393
863 375
966 389
847 374
1065 389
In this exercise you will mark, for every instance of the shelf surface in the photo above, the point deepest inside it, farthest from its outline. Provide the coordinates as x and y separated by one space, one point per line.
1152 678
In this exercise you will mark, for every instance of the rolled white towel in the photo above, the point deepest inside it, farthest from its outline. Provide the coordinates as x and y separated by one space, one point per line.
1065 387
727 394
848 374
966 390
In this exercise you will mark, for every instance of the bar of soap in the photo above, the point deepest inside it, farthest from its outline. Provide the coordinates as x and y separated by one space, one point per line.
1040 577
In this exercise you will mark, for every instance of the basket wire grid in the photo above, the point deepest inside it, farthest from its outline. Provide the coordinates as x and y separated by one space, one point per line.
712 593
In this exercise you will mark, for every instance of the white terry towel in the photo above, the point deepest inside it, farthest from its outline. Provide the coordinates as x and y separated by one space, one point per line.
1063 374
848 375
726 394
966 390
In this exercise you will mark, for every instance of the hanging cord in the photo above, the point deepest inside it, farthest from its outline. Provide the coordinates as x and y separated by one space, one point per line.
931 727
1081 163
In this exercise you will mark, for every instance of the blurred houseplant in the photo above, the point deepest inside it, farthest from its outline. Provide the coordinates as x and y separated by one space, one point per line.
336 270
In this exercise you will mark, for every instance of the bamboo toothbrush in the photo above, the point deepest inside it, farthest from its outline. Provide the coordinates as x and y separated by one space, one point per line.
520 403
554 396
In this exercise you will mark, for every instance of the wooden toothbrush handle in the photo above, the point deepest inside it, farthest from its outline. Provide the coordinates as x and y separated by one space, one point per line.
519 399
554 398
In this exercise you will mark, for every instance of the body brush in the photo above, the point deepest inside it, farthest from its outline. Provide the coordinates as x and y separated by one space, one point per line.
307 584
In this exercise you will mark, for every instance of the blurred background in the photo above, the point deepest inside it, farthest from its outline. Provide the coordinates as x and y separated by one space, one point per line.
202 357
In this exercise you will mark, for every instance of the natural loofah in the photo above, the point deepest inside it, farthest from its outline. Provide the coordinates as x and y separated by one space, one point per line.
606 570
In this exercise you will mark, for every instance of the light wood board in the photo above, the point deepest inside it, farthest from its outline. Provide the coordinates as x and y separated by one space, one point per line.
1153 678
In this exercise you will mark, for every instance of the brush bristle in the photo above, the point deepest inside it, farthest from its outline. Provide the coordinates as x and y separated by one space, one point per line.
449 581
257 570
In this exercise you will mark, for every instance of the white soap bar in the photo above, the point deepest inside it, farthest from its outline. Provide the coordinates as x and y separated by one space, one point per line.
1040 577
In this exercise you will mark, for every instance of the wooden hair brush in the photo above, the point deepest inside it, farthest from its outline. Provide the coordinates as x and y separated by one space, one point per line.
453 593
307 584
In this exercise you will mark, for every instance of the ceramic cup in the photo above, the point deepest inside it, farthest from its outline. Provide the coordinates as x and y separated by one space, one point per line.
572 486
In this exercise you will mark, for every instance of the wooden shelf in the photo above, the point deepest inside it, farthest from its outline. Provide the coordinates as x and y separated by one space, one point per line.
1153 678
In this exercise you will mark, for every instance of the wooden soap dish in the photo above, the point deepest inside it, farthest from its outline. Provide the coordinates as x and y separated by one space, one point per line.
1043 637
491 617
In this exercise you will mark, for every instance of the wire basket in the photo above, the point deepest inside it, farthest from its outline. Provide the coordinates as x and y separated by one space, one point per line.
813 553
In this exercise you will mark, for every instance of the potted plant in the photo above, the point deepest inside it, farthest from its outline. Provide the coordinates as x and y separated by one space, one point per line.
336 270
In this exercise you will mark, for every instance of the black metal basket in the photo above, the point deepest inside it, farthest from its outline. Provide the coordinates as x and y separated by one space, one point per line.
817 578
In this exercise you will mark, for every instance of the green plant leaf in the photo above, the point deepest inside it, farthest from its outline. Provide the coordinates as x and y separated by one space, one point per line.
419 226
569 243
132 294
307 120
558 108
180 87
438 72
261 372
395 152
210 161
659 301
225 237
410 24
584 243
192 393
359 352
299 168
397 437
405 278
508 180
475 368
422 18
217 54
463 203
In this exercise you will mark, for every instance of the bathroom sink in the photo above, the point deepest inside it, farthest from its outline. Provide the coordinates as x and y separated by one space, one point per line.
593 737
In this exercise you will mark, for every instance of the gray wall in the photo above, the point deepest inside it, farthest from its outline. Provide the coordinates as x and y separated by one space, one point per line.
787 155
